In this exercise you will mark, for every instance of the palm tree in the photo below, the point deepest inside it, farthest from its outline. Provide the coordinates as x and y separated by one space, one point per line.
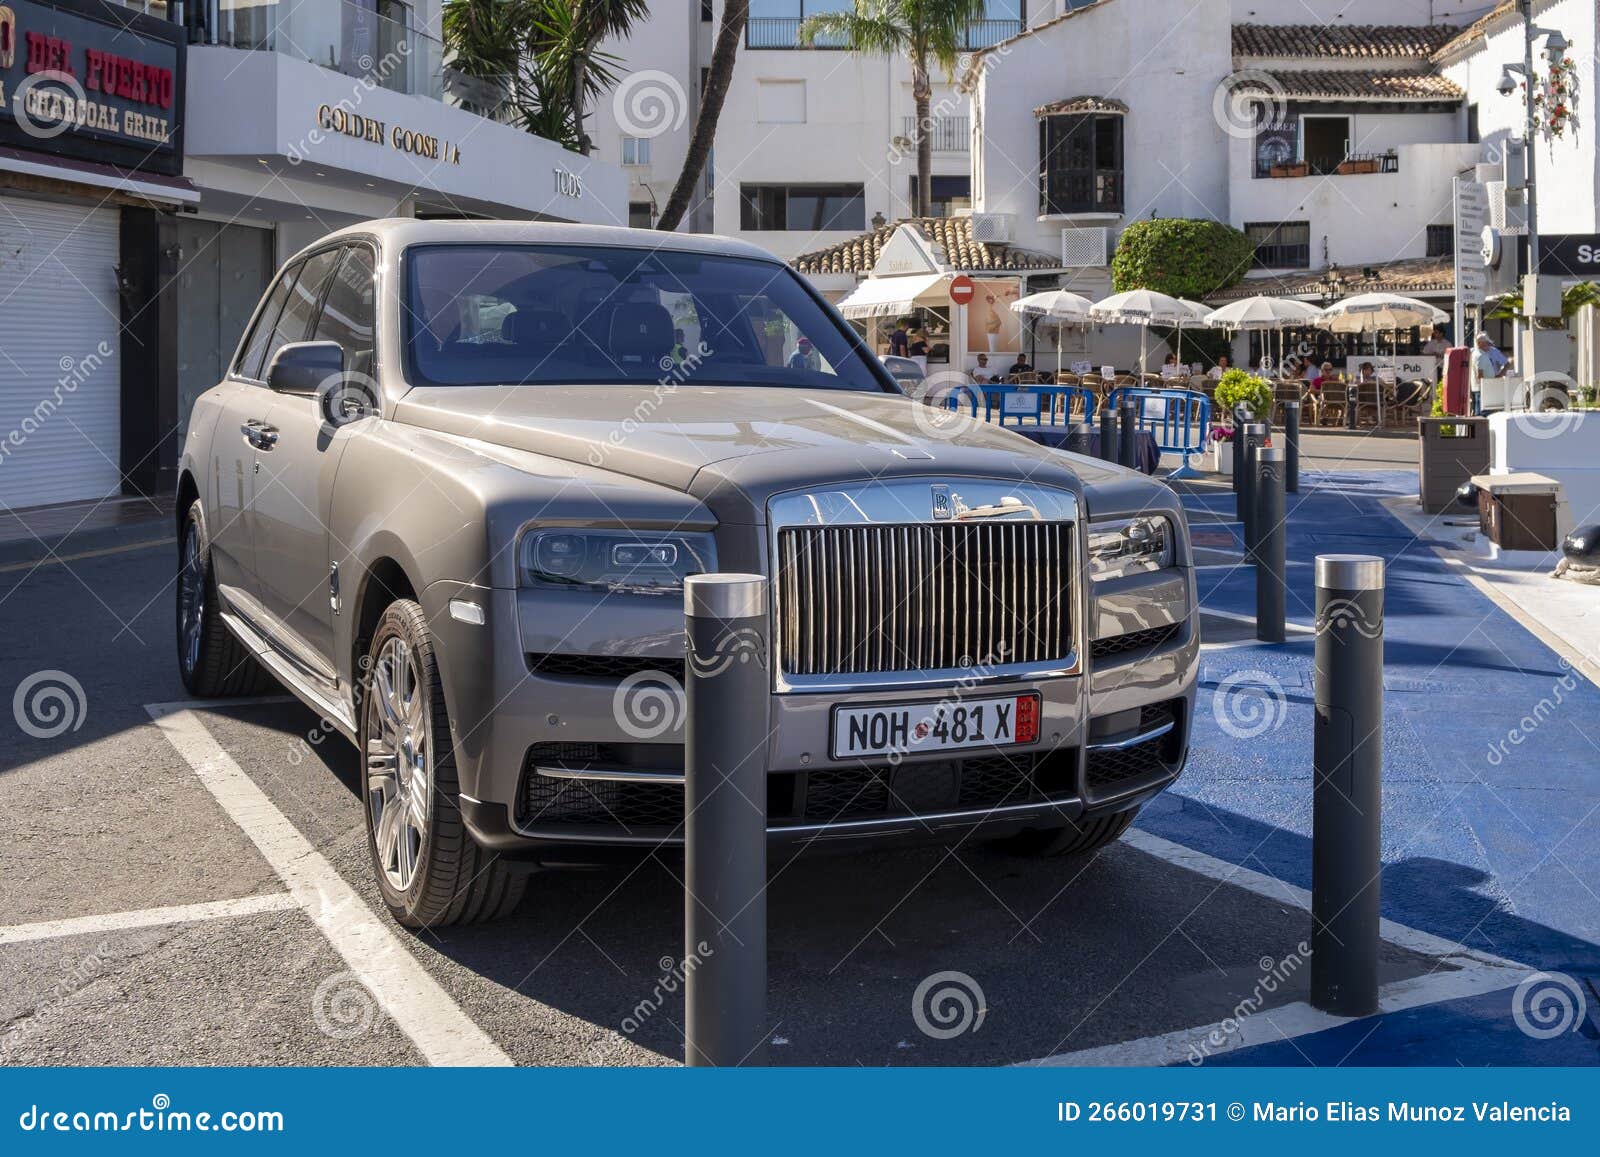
735 15
487 40
593 21
925 32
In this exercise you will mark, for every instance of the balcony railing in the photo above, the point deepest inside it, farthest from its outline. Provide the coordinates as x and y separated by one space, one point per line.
945 134
1327 166
784 32
341 35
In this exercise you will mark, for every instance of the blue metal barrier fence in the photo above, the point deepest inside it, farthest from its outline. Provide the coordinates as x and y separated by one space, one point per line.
1179 420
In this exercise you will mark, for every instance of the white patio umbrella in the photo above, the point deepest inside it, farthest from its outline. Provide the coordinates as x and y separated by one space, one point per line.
1375 312
1195 319
1058 307
1372 312
1261 313
1140 307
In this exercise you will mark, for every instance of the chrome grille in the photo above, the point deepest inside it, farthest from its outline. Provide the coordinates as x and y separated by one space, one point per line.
926 596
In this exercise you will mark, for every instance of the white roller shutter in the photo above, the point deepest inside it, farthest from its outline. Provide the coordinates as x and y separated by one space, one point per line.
60 353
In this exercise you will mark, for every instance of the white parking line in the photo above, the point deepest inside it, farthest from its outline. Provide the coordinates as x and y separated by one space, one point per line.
1271 1025
1471 973
147 918
416 1002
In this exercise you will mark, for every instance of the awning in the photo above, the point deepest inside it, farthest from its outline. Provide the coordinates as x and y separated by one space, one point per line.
885 296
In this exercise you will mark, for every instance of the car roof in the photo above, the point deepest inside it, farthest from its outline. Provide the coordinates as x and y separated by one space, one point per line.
405 231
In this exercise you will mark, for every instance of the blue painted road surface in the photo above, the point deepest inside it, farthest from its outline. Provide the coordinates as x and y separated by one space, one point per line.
1491 826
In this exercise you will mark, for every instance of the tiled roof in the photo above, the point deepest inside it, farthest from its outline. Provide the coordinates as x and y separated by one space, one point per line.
954 234
1340 42
1410 275
1349 84
1080 104
1478 29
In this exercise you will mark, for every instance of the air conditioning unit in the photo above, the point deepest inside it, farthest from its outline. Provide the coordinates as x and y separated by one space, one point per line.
1083 248
991 228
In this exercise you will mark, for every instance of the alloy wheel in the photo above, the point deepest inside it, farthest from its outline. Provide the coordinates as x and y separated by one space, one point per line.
399 771
191 598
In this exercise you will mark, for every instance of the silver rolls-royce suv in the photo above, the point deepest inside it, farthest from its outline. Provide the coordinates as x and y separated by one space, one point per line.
455 478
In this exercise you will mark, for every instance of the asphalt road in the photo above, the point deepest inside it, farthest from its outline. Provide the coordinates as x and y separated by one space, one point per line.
198 892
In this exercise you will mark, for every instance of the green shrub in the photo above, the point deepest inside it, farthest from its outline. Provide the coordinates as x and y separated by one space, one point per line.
1181 257
1242 386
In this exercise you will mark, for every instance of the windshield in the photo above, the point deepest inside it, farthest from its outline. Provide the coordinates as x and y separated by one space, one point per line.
560 314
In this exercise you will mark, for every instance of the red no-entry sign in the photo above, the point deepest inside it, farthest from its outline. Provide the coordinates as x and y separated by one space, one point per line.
962 290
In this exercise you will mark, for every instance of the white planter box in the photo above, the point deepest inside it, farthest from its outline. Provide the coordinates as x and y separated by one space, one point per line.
1222 458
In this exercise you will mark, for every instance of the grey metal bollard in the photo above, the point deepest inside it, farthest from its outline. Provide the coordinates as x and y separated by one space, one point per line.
1291 446
1240 418
1347 791
1271 544
725 820
1244 464
1108 432
1128 434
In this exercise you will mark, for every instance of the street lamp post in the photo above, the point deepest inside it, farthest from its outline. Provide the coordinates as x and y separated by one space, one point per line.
1555 47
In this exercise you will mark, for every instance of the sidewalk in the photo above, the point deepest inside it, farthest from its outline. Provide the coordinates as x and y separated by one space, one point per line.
38 534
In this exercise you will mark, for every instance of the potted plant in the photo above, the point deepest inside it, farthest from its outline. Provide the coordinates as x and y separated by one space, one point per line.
1291 169
1222 450
1240 386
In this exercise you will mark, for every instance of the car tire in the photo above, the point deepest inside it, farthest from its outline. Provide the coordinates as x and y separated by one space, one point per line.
429 868
211 661
1073 839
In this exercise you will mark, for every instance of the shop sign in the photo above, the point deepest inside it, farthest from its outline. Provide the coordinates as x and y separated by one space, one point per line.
336 118
1570 254
92 81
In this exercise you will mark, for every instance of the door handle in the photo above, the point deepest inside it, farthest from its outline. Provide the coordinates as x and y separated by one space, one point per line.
259 434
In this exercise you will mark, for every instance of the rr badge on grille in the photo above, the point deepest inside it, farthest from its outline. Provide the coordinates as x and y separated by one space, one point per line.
942 510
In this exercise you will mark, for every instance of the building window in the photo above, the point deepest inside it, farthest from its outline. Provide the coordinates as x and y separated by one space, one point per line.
803 207
776 23
949 194
1324 142
635 150
1441 240
640 215
1080 164
1281 244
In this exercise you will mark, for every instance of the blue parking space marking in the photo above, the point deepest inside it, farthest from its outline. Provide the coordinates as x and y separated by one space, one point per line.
1491 792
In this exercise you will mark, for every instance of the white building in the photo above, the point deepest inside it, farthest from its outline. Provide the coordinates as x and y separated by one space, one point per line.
136 247
813 144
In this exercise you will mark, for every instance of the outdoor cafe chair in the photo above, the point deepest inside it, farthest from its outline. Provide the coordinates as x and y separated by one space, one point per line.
1331 406
1364 397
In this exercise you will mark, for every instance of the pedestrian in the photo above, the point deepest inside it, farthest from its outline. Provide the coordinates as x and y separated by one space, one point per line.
804 357
981 373
1437 346
899 342
1487 362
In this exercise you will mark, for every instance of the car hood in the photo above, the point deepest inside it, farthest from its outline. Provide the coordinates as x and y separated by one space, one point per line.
735 446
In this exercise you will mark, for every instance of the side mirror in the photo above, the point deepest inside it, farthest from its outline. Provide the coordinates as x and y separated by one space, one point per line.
304 367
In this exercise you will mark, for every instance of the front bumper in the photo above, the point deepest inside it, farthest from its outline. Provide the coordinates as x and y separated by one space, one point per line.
555 762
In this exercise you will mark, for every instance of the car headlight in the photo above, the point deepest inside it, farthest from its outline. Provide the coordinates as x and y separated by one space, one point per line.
630 561
1127 546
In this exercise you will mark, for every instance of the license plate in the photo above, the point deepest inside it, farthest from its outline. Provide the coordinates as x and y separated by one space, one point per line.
939 725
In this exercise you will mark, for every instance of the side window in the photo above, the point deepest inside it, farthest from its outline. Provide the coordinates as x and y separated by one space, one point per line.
250 361
347 314
294 323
